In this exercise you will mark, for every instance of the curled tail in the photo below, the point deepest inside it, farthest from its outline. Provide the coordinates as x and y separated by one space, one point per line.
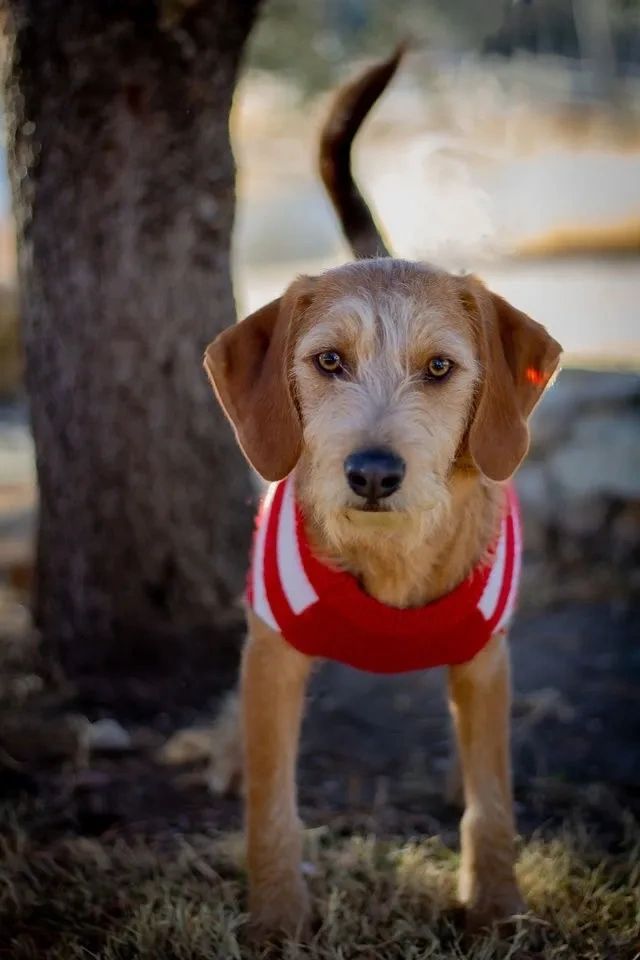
349 108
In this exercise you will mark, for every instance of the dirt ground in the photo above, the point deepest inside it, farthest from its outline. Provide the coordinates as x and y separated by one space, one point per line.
375 749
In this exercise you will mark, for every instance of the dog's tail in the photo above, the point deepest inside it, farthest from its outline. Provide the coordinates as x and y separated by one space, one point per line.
349 108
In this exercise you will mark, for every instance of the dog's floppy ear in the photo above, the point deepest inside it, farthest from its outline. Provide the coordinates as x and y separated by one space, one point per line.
248 365
518 359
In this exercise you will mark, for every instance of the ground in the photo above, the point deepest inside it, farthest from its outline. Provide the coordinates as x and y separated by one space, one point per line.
116 855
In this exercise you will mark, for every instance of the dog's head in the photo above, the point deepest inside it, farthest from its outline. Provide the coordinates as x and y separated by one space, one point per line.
380 379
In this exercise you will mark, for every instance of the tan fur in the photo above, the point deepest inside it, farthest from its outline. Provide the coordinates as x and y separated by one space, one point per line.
479 696
273 683
387 318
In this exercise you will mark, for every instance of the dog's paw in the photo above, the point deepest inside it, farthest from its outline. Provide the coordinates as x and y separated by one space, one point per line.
285 912
224 771
218 746
494 908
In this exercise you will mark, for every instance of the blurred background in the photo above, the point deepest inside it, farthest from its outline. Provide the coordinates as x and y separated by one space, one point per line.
509 145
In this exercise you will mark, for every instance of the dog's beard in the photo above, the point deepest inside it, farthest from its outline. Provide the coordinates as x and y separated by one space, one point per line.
407 519
410 516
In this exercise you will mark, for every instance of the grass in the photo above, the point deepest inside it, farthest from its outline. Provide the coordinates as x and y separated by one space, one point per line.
74 898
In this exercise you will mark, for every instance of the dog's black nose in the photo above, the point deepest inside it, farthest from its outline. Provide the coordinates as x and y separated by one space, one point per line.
374 473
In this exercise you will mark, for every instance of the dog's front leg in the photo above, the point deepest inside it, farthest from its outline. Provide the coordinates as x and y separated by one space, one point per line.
274 677
480 697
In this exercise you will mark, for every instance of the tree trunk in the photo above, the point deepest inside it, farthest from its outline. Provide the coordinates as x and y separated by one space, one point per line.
123 184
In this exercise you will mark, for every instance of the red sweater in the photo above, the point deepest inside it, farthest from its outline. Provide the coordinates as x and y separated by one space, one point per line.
325 613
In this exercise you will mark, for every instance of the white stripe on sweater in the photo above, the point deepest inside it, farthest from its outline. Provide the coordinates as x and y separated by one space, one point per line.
491 593
515 576
260 602
295 583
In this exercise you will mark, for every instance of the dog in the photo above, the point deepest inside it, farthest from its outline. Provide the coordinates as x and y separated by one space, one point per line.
387 403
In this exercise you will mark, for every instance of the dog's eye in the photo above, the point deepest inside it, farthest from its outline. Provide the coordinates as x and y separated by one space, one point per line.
438 368
329 361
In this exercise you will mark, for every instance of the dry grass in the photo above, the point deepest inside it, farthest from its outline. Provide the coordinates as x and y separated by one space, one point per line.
183 899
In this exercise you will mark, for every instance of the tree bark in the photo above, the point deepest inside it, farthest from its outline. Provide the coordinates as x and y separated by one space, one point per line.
123 186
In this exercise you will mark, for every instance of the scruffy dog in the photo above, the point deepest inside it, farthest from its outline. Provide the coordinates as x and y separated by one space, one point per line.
388 402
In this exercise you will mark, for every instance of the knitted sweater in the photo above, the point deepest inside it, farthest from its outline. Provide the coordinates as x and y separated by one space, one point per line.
324 612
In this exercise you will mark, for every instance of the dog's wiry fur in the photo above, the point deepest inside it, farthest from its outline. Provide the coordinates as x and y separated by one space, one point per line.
387 318
460 439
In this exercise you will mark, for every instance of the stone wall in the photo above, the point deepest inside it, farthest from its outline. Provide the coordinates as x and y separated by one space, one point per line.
580 491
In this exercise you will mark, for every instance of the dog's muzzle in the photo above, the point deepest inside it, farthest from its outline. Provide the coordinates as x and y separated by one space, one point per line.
374 473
